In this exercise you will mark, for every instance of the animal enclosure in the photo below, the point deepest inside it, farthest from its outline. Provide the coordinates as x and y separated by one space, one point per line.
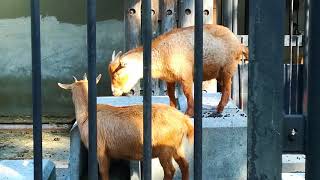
277 87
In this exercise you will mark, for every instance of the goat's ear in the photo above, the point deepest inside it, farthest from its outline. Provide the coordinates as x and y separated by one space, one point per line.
98 78
65 86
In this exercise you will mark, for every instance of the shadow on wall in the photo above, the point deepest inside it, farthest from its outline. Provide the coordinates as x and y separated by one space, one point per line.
64 54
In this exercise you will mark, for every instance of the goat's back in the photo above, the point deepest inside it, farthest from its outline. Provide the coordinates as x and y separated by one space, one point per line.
221 48
120 129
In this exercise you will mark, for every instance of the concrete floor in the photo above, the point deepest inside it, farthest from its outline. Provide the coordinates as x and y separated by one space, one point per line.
17 144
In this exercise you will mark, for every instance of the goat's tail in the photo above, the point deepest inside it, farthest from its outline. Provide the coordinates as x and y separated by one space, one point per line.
245 51
190 130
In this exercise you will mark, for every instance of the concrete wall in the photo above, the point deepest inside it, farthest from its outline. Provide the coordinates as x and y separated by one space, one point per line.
63 40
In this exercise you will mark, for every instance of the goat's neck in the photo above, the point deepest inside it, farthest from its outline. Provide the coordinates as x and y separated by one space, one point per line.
156 63
80 101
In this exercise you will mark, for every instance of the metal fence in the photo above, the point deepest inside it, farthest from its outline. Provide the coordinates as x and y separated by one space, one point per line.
265 88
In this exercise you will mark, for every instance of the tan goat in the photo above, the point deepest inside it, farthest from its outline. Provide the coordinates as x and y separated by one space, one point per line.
120 132
173 61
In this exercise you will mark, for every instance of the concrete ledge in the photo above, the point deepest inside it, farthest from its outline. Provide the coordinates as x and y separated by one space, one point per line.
224 144
77 156
23 170
293 163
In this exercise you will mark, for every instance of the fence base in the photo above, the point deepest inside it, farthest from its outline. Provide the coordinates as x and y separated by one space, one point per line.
23 169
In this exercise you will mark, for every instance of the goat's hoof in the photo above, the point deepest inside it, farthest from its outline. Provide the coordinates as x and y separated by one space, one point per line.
215 115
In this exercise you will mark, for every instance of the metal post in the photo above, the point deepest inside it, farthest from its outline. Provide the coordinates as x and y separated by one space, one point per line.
265 114
146 38
291 54
227 13
313 123
198 73
235 16
92 101
36 89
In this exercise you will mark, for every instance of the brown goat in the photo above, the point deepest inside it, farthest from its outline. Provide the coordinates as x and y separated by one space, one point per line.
120 132
173 61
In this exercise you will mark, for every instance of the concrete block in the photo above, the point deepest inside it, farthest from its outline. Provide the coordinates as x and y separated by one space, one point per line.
23 170
224 144
130 100
293 163
77 156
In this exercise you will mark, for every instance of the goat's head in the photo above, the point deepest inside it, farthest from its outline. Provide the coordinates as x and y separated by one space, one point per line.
81 84
125 71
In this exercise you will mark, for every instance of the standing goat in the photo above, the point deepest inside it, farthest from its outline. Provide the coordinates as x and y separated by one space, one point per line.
173 61
120 132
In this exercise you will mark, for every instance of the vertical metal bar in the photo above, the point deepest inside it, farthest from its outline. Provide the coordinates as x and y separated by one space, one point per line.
246 14
313 123
265 96
92 101
235 16
219 11
146 40
198 73
306 57
36 88
291 54
297 76
227 13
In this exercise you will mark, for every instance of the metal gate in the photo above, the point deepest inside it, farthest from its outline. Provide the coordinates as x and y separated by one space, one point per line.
265 90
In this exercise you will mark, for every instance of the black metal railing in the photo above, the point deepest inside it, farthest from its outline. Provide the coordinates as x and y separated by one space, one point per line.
147 89
265 88
313 86
198 73
92 89
36 89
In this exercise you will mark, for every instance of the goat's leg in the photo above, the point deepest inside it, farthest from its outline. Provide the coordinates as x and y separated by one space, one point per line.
226 91
165 159
171 90
179 157
187 90
104 165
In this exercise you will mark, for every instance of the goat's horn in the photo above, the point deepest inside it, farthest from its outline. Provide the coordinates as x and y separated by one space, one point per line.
85 76
118 54
113 55
75 79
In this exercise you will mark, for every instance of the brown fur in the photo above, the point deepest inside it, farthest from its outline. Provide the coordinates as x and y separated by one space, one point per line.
173 62
120 132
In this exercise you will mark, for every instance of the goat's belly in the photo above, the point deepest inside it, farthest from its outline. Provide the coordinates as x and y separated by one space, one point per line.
210 71
129 153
